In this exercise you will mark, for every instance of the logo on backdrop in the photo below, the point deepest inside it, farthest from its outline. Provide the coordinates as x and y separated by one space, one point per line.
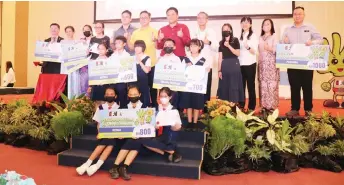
336 67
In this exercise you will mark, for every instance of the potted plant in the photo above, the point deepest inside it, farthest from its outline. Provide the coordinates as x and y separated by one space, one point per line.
225 141
68 121
259 154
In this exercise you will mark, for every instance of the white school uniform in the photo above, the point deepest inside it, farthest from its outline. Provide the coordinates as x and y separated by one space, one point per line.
105 106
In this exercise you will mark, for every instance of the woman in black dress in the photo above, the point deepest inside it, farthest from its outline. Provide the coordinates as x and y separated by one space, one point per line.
100 38
230 79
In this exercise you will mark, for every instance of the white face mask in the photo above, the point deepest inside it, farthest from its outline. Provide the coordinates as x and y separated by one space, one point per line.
164 100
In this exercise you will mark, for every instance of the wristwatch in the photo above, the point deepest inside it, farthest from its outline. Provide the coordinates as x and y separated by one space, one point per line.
209 42
248 48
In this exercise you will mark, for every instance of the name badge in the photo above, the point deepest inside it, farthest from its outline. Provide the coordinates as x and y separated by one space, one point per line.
306 31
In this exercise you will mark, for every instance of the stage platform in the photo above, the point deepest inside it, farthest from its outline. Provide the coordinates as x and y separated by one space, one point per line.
8 94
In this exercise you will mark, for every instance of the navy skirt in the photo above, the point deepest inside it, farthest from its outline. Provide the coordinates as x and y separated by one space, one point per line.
166 142
132 144
107 142
191 100
98 92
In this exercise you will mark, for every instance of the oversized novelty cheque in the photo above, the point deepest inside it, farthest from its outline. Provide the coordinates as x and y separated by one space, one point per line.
74 54
112 70
300 56
180 77
127 123
46 51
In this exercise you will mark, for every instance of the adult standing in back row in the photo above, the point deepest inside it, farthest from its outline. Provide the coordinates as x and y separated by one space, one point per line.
125 30
300 33
248 61
179 33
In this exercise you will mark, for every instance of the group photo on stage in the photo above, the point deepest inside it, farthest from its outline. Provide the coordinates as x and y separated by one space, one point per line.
177 100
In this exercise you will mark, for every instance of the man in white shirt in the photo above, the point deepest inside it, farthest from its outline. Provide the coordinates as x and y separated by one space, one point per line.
211 44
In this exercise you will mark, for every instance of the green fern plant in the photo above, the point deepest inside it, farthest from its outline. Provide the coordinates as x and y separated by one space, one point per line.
226 133
66 124
259 150
316 130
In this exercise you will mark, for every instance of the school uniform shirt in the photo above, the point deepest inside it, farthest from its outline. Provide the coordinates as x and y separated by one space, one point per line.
246 58
139 105
170 58
9 78
105 106
148 61
146 34
123 54
209 51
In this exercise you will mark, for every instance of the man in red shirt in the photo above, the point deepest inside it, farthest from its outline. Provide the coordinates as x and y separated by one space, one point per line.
176 31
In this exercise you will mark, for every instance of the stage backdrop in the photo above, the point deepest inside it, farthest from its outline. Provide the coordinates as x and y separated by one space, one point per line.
323 15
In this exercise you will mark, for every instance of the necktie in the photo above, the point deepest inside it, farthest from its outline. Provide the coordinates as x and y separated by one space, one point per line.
161 128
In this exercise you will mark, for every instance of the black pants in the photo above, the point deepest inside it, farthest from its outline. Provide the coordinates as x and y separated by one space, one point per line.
10 85
249 77
301 79
207 96
153 92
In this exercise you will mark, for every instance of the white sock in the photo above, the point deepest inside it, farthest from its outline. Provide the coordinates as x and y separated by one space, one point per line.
82 169
94 168
99 163
88 163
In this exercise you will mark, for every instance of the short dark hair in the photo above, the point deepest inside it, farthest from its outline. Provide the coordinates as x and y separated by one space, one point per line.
166 90
197 43
171 40
172 8
299 7
133 86
127 11
145 11
140 43
110 88
55 24
121 38
70 27
272 27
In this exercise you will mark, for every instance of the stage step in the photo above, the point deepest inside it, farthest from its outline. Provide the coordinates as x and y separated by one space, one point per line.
152 165
188 149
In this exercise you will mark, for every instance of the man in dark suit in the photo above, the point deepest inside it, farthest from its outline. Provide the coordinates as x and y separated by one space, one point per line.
52 67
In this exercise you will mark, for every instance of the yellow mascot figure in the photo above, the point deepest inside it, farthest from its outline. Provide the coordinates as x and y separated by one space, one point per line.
336 67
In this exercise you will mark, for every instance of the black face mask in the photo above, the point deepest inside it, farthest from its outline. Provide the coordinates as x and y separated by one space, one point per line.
87 33
226 33
168 50
110 99
134 99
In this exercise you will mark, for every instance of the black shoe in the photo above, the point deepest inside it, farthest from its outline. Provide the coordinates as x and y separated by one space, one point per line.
308 113
189 127
175 157
114 172
124 174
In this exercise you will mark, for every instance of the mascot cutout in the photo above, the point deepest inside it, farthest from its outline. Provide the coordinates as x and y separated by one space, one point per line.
336 67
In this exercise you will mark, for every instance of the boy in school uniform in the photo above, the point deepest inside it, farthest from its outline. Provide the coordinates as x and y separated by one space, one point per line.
120 52
169 47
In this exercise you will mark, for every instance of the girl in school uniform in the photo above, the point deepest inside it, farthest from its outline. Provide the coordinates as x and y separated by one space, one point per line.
143 66
131 147
105 146
97 91
100 38
166 141
193 101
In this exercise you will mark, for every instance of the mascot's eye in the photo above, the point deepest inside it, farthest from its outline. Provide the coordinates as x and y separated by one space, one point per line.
334 61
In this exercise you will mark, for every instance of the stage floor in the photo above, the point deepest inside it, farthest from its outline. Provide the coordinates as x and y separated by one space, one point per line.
284 105
31 163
